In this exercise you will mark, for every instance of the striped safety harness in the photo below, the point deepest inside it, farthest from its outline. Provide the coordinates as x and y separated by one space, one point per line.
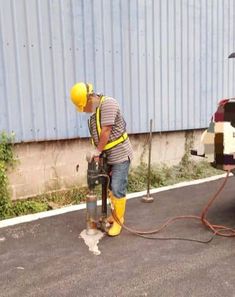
112 143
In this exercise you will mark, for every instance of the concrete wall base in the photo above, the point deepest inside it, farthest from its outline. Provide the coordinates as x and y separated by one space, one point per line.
51 165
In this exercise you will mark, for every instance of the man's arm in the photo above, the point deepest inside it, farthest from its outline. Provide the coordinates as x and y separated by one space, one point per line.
104 137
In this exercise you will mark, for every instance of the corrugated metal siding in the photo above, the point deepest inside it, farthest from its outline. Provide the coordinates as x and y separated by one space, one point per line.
162 59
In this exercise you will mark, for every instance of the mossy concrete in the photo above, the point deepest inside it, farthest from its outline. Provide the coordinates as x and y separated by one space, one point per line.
51 165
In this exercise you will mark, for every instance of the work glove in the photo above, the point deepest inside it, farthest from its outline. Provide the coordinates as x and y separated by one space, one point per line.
93 154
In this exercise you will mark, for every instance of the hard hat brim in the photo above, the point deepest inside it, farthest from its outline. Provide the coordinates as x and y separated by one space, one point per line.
80 108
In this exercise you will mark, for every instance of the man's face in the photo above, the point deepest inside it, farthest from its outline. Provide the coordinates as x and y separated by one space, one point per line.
90 106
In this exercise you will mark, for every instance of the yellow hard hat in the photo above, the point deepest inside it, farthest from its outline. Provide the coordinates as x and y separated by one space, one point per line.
78 94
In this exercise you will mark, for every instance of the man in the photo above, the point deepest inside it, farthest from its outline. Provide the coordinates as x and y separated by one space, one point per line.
108 131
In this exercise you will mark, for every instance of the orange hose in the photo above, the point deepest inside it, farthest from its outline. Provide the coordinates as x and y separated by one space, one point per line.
229 232
216 229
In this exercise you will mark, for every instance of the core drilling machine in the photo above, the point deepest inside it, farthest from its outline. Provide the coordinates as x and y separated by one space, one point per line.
97 174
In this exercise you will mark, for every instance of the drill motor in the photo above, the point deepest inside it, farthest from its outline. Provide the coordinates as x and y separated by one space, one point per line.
97 172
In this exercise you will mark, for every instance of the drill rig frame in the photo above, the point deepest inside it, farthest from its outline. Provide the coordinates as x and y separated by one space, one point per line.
97 174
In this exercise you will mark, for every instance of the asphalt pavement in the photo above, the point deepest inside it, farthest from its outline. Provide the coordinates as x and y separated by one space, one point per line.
47 257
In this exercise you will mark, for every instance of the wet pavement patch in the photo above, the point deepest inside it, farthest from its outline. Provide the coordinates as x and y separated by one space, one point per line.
92 241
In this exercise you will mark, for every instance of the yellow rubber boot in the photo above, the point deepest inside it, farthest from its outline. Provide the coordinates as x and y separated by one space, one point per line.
119 205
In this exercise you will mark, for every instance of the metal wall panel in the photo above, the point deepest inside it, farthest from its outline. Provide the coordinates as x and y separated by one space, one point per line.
161 59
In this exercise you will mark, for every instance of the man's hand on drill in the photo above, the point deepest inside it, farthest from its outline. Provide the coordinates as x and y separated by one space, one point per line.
93 154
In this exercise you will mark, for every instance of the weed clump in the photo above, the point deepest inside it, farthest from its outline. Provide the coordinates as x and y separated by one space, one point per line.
7 160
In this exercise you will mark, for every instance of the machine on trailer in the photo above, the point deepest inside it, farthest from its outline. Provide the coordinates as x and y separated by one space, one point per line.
218 140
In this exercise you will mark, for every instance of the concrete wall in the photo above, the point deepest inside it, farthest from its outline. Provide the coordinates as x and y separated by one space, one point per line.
47 166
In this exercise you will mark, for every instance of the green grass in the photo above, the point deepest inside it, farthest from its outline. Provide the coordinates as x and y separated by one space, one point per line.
163 175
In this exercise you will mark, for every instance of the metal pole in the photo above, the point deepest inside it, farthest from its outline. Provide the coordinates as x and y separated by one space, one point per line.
148 198
104 199
91 214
